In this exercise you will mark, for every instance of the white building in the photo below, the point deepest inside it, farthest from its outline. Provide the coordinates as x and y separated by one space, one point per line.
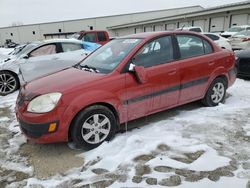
215 19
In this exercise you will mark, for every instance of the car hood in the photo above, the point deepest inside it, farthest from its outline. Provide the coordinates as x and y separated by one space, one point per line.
63 81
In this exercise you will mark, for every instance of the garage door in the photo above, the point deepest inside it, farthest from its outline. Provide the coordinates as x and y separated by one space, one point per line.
240 19
148 28
158 28
183 24
171 27
200 23
138 30
217 24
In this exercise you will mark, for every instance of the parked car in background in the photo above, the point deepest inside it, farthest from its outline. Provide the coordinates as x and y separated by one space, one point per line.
240 40
100 37
197 29
233 30
243 62
219 40
38 59
128 78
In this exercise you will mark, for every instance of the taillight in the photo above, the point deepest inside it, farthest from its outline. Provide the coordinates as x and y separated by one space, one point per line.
245 39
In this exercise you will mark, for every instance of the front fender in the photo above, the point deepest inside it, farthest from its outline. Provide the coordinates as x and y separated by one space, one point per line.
86 99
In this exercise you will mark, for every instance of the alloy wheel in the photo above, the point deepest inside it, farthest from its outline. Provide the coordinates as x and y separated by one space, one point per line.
8 83
96 128
218 92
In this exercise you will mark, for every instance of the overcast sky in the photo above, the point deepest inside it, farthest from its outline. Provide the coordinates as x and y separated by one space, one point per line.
38 11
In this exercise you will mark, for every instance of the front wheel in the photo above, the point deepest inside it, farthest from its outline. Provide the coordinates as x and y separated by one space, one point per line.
8 83
93 126
216 93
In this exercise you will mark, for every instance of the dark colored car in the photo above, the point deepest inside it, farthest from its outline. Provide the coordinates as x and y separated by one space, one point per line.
128 78
243 62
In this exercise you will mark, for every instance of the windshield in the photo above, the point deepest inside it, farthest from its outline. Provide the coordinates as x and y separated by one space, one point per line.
235 29
108 57
75 36
27 48
243 33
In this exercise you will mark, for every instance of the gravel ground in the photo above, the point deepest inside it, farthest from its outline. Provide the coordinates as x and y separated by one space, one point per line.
25 164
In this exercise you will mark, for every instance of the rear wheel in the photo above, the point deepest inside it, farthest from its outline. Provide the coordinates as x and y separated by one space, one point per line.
8 83
93 126
216 93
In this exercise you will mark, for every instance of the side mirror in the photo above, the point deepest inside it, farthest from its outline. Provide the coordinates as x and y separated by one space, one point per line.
24 56
140 73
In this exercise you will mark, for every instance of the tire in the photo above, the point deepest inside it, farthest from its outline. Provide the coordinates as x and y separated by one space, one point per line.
89 130
216 93
8 83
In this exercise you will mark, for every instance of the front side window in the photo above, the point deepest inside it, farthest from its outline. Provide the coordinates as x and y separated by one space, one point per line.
89 37
191 46
156 52
68 47
109 56
44 50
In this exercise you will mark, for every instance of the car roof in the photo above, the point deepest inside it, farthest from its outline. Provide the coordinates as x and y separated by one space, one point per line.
158 33
63 40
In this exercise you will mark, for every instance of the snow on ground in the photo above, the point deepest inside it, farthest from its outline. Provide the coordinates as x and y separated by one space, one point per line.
189 146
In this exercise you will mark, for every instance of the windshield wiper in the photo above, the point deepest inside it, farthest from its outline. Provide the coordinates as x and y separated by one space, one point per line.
88 68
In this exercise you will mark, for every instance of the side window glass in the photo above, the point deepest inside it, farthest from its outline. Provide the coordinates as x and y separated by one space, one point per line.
190 46
207 47
44 50
157 52
89 37
68 47
101 36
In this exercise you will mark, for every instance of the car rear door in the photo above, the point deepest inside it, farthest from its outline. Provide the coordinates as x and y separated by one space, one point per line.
162 72
196 63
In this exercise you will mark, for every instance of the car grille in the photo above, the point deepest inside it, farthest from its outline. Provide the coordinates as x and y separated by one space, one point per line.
244 66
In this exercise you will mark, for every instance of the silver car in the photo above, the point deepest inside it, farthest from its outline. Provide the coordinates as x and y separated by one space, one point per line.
38 59
240 40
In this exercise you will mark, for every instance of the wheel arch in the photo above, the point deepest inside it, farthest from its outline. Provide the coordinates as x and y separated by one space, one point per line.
105 104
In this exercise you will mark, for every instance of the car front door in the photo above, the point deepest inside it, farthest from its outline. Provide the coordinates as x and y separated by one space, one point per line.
196 63
38 62
161 89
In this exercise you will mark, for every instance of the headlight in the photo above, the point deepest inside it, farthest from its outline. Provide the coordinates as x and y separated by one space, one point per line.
44 103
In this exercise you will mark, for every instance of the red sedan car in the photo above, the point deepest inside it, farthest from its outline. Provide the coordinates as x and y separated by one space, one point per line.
128 78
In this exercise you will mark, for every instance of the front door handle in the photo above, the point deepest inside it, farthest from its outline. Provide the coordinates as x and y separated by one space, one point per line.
172 72
55 58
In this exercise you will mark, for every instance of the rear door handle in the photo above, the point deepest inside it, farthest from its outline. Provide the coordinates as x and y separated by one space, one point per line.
172 72
211 63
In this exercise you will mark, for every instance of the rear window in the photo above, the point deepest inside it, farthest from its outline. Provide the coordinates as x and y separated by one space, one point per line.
101 36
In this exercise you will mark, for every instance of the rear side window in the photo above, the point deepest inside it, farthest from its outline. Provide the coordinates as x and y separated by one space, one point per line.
213 37
89 37
191 46
101 36
156 52
68 47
